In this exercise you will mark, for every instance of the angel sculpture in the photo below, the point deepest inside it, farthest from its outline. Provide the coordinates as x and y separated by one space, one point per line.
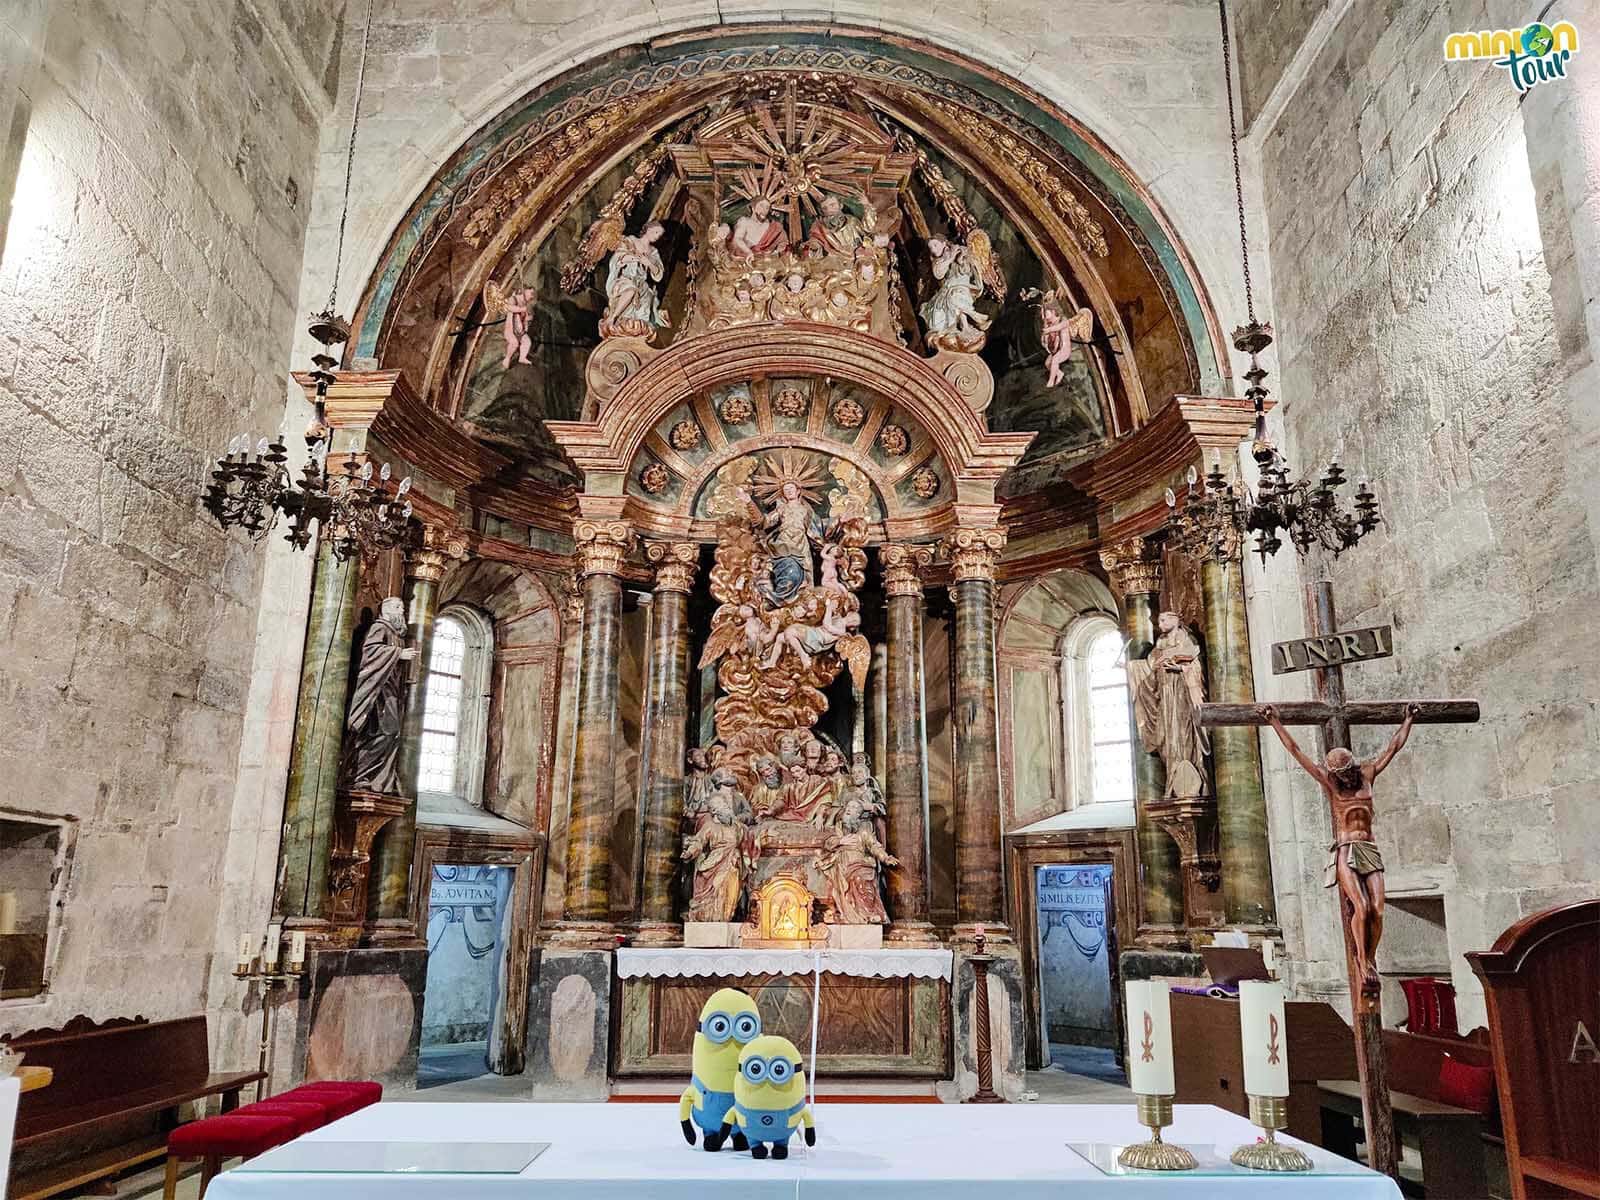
511 305
747 623
952 318
632 307
807 641
1061 333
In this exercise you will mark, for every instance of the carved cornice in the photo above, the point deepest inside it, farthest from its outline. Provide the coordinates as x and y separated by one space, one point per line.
675 563
903 566
440 546
1134 566
973 553
601 546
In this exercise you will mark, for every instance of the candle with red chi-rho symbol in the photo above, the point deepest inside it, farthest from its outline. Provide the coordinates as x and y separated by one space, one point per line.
1261 1026
1149 1012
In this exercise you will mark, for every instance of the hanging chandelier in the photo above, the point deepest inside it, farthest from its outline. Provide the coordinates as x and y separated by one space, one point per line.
251 485
1218 513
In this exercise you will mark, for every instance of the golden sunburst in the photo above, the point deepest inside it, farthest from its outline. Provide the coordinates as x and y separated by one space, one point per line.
798 467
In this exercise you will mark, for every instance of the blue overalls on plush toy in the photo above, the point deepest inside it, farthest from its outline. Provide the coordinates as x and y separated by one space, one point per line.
727 1022
769 1097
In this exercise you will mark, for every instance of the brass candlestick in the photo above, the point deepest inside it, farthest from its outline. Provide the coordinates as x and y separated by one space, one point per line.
1272 1114
1155 1112
269 978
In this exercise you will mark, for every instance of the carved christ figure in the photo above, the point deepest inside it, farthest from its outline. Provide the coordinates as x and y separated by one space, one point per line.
758 232
717 850
1168 689
1355 866
377 705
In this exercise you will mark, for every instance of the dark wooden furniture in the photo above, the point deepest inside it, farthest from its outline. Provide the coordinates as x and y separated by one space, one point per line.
1449 1139
1542 985
1208 1060
117 1090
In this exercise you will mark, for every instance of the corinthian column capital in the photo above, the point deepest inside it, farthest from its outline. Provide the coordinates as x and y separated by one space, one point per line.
675 564
1133 565
601 546
973 553
439 546
902 568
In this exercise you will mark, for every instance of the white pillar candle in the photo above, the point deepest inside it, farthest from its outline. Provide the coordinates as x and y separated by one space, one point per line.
8 912
246 951
1149 1011
297 949
1265 1037
269 955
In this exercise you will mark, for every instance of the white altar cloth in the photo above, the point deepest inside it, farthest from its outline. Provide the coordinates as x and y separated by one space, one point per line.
872 1151
634 963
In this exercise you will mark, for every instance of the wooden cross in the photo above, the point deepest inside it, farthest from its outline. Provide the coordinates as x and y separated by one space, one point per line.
1354 860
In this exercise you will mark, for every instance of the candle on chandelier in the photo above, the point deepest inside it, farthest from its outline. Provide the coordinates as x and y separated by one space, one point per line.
297 950
1149 1014
246 953
1262 1029
270 952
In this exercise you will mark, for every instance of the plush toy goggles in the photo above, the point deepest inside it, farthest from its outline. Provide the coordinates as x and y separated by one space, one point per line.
719 1027
768 1070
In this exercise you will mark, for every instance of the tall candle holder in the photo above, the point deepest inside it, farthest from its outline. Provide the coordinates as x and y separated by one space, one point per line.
260 969
1155 1113
983 1050
1269 1154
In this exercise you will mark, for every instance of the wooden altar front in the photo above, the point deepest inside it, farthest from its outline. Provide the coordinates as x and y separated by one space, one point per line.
884 1013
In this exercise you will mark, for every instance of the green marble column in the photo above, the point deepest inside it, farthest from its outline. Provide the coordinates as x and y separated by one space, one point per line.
665 738
586 913
553 902
976 729
905 760
1135 570
308 809
1236 754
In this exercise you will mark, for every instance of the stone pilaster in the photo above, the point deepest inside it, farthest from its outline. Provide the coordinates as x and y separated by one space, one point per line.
389 909
664 741
309 801
586 911
905 761
1134 567
975 724
1236 755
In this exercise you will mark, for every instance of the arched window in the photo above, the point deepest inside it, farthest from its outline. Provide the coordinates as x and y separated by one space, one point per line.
1095 691
455 705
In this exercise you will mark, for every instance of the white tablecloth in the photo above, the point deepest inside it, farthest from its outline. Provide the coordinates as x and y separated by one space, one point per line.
879 1151
633 963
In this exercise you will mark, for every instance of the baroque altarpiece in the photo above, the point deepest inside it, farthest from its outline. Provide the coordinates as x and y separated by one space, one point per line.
782 410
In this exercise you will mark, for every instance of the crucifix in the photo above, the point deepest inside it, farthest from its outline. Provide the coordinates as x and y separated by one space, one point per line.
1356 867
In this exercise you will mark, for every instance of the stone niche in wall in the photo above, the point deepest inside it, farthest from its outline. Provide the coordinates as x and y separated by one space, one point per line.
35 854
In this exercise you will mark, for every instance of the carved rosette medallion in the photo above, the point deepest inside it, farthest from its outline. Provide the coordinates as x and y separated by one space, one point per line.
902 568
1134 566
655 478
790 402
848 413
601 546
925 483
675 564
973 553
685 435
893 440
737 408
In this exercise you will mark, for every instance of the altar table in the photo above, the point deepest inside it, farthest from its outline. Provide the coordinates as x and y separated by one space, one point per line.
879 1151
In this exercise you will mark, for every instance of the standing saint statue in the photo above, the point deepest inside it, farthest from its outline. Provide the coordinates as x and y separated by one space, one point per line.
951 316
718 850
371 756
794 526
1168 689
850 866
632 306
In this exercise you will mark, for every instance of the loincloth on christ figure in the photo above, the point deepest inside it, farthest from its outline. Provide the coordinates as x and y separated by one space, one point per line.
1363 858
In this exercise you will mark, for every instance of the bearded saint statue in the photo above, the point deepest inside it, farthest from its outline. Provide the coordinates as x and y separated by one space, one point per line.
1168 689
371 757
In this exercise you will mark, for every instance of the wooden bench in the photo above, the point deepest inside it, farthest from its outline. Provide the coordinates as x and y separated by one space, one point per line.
116 1092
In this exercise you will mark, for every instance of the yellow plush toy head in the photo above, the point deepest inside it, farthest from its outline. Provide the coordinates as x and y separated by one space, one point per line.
771 1074
727 1021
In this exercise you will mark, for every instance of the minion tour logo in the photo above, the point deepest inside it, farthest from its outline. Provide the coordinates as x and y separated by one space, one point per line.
1530 56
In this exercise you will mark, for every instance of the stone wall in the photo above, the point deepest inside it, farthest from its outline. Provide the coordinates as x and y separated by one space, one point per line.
158 161
1430 322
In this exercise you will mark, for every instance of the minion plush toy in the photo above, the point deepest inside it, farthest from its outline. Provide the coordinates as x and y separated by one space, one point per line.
728 1021
769 1097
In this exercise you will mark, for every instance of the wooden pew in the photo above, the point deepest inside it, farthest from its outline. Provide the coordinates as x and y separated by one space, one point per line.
117 1090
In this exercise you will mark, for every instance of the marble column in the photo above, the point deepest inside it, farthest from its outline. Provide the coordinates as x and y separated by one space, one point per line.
976 728
389 901
1236 755
665 738
553 902
309 801
1134 567
586 912
905 733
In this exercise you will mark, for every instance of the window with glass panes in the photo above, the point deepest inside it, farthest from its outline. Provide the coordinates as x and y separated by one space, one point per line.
1109 731
441 708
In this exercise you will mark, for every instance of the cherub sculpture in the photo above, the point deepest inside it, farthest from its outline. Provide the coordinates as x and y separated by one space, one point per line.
511 306
632 307
951 316
1061 333
807 641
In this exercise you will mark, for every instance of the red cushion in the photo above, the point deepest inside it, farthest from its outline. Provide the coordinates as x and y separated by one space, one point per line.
1465 1085
306 1114
345 1097
229 1135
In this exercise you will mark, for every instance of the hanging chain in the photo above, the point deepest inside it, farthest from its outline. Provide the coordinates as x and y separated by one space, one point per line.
350 158
1238 181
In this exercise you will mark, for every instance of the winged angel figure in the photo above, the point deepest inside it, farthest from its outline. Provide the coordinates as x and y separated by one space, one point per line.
511 304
